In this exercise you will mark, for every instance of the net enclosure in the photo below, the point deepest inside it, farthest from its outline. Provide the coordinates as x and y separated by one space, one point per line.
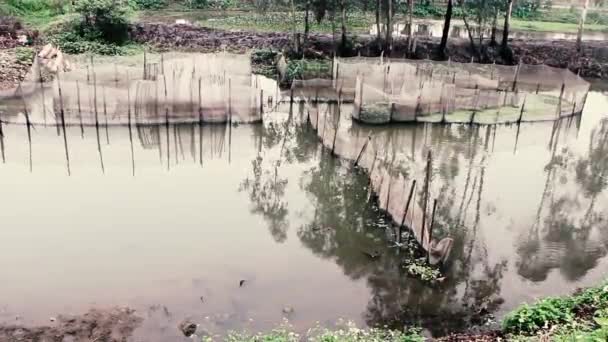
144 89
403 90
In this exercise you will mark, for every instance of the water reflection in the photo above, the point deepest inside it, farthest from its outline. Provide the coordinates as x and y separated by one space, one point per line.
525 205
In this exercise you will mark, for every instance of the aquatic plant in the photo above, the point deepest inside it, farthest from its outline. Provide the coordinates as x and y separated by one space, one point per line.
349 332
420 269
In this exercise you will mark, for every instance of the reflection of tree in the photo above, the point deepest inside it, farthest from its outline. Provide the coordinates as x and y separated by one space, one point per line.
345 227
564 238
266 191
266 187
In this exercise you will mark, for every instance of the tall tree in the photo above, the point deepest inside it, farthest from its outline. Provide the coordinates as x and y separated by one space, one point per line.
505 30
389 25
343 19
581 27
378 4
494 25
410 27
446 29
306 22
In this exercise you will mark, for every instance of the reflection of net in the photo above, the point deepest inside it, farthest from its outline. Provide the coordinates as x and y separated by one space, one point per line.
174 87
413 90
390 179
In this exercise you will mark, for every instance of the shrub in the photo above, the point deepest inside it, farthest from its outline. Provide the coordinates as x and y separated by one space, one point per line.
103 20
150 4
218 4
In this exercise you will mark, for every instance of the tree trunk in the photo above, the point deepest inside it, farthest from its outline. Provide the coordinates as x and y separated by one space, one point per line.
389 26
410 29
581 27
468 28
343 10
378 20
306 22
446 29
293 18
493 33
505 30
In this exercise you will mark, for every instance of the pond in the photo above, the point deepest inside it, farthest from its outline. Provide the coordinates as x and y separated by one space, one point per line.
241 226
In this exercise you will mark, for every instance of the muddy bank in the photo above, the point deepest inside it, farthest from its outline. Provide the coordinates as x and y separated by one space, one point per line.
112 325
593 62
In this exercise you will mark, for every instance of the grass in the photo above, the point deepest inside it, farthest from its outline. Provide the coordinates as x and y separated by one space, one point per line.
580 317
357 22
545 26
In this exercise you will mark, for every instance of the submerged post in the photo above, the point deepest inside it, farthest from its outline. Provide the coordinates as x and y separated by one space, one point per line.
333 145
523 109
559 103
407 207
516 76
428 255
65 137
427 181
369 137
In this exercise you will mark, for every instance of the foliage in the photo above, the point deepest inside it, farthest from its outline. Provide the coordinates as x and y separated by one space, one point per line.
71 42
277 335
353 334
34 12
348 333
524 9
548 312
420 269
307 69
24 55
103 20
150 4
215 4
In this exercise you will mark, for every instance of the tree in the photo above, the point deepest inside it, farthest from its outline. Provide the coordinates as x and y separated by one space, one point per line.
505 30
103 19
343 19
581 27
410 27
389 25
446 29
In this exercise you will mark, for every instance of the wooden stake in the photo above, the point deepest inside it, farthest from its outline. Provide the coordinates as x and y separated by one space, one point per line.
559 104
369 137
428 255
427 181
65 137
333 145
129 123
407 207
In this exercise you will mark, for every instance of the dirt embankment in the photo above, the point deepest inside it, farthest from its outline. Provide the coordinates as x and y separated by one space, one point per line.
12 69
113 325
592 62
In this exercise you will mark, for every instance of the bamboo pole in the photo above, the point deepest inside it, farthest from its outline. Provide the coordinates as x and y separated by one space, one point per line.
428 255
427 181
200 121
65 137
333 145
28 125
369 137
105 116
129 123
407 207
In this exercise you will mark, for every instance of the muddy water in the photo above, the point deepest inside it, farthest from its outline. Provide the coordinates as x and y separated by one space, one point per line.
267 226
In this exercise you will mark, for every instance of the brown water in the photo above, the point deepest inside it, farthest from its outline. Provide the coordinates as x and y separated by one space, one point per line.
158 227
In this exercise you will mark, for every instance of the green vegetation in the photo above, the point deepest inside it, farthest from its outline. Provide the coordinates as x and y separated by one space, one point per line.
357 22
349 333
422 270
580 317
24 55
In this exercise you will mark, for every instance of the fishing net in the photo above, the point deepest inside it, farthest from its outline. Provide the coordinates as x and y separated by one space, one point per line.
413 90
144 89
